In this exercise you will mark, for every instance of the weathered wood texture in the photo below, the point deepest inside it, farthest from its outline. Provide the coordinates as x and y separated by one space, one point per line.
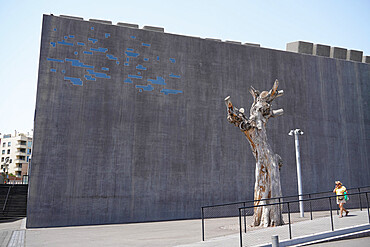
268 164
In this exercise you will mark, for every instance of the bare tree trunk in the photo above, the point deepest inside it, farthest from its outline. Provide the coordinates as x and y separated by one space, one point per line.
268 163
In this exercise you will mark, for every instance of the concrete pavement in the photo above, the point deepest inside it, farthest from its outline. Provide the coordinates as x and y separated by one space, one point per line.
219 232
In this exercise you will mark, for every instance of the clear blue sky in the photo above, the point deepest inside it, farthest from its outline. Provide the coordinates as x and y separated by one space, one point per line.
270 23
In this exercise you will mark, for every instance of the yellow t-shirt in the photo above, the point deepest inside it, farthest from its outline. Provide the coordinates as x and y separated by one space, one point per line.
340 191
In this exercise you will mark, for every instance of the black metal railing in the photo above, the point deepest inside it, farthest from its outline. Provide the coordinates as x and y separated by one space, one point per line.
289 211
231 209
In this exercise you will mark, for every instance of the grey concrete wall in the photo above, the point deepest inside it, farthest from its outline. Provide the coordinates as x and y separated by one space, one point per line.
104 152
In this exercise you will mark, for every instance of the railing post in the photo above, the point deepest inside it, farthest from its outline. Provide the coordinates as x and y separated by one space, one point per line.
240 228
290 229
245 220
309 197
359 197
331 215
367 201
202 224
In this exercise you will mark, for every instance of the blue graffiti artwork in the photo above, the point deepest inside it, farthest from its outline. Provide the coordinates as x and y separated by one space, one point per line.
132 75
158 81
174 76
65 43
98 74
99 49
170 91
77 63
92 40
145 88
74 81
132 54
141 67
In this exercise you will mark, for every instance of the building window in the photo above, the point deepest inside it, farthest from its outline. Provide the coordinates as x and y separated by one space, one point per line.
20 165
9 144
8 151
29 144
4 144
10 161
3 152
29 151
2 159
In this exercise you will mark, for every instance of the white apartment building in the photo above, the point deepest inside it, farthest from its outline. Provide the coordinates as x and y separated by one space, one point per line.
17 149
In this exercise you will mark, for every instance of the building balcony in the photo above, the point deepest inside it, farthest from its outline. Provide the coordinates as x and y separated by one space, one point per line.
18 169
19 161
19 153
19 145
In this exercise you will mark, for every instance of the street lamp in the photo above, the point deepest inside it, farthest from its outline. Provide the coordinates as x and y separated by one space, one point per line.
296 133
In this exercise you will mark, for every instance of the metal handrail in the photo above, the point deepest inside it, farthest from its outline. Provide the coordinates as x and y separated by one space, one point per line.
274 198
6 199
309 199
282 197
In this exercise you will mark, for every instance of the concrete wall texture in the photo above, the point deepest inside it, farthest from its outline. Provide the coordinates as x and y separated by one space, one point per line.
130 124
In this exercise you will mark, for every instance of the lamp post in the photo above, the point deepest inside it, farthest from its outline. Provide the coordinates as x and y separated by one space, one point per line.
296 133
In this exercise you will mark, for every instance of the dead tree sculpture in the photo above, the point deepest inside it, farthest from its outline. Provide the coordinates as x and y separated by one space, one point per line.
268 163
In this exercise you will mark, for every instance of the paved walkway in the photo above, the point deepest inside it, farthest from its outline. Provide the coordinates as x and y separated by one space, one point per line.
170 233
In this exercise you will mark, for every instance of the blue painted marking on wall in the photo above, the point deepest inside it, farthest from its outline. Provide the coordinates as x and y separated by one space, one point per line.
130 49
141 67
135 76
53 70
55 60
107 35
111 57
127 59
77 63
144 44
90 78
92 40
74 80
159 81
132 37
126 64
76 52
170 91
146 59
157 58
139 73
104 68
80 43
65 43
128 80
173 60
145 88
132 54
92 28
117 62
71 36
65 37
63 71
174 76
55 29
98 74
53 44
99 49
87 52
